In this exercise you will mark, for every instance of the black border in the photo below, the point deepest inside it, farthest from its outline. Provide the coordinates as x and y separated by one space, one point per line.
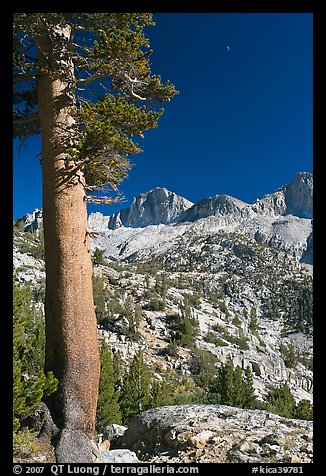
222 6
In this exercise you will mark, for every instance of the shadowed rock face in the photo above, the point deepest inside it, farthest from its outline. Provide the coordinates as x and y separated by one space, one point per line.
32 221
159 206
220 205
296 198
299 195
217 434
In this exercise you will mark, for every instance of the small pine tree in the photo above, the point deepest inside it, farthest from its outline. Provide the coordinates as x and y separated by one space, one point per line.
281 401
161 394
98 257
250 399
184 327
147 282
290 355
202 366
304 410
30 383
253 324
100 295
225 382
237 388
135 392
108 409
134 317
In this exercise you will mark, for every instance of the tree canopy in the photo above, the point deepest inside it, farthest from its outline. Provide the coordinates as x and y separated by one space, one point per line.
114 94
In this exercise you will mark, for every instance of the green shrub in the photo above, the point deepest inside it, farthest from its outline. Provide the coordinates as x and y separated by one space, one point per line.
25 445
155 304
98 257
304 410
214 339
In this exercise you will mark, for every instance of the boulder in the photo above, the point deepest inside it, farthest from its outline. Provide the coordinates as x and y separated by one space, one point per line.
119 456
114 431
217 434
75 446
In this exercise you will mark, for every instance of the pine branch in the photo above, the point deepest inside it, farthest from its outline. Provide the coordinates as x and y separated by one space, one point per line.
26 120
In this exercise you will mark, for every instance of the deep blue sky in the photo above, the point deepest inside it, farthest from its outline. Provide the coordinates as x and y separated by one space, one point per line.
242 123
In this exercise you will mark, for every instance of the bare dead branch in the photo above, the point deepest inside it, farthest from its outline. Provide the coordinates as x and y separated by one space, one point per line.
90 78
103 200
135 81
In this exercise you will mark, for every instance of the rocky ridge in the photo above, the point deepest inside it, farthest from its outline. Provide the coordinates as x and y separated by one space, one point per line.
282 219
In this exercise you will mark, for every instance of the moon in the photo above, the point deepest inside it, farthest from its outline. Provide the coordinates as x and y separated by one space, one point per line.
228 48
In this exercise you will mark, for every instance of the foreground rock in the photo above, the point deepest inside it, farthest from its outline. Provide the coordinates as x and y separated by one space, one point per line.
119 456
74 446
218 434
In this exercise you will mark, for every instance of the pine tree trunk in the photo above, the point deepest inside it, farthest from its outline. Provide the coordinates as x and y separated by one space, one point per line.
71 332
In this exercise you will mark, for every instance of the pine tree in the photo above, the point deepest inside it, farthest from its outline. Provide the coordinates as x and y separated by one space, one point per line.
108 409
135 393
225 382
234 387
290 355
30 383
60 61
184 327
98 257
100 296
281 401
249 400
202 366
237 388
253 324
304 410
161 394
134 316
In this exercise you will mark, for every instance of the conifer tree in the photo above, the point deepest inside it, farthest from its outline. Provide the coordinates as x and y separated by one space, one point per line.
134 316
161 394
281 401
184 327
225 382
253 324
82 81
135 393
249 400
108 409
237 388
304 410
30 383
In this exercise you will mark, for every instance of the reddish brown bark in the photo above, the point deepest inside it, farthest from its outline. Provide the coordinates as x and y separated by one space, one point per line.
71 332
